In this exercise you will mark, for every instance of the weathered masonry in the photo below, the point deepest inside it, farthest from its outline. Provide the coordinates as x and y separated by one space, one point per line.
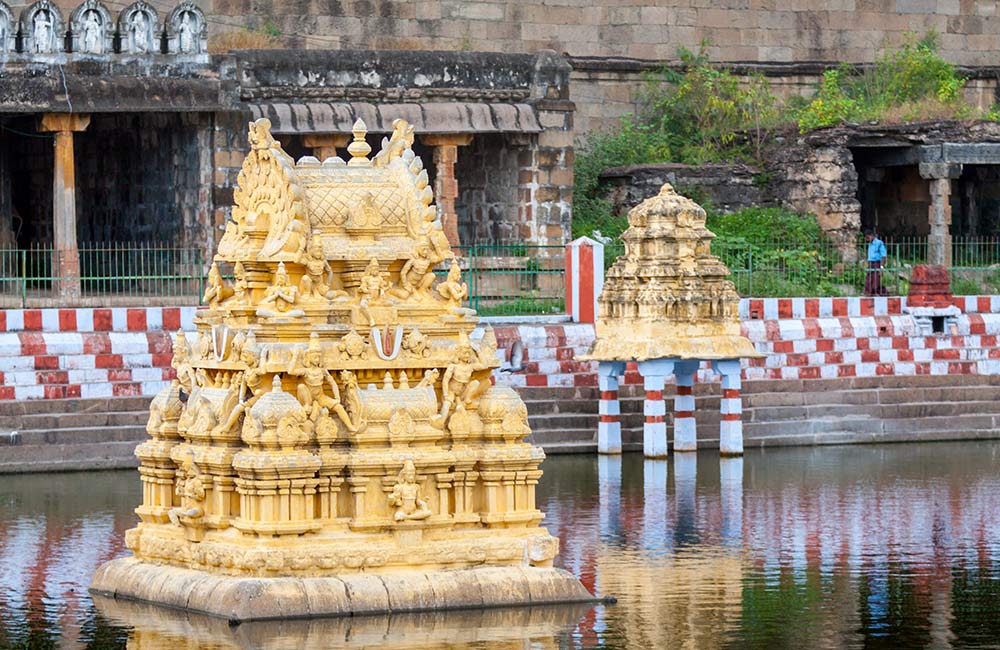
116 130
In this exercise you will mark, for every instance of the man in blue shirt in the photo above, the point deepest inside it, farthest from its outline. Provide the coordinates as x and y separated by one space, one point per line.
876 253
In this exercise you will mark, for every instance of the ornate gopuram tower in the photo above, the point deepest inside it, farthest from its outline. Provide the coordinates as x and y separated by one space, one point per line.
333 443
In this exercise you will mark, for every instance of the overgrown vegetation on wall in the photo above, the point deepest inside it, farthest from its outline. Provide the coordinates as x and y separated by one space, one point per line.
703 113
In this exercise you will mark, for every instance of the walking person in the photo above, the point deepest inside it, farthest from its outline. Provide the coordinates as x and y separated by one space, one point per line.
876 253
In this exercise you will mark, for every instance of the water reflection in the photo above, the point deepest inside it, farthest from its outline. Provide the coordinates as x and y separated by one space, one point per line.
537 628
874 547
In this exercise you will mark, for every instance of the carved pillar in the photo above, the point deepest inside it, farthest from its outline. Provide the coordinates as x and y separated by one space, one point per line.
66 254
731 427
654 429
445 184
325 145
939 176
685 427
609 428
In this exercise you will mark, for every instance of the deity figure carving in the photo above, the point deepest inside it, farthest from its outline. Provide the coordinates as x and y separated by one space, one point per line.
240 286
140 32
311 391
405 496
319 279
251 381
187 378
417 274
371 288
351 396
282 295
187 37
93 42
457 385
44 37
191 490
216 291
415 344
453 290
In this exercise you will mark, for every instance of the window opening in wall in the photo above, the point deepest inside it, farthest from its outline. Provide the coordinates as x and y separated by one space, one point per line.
937 324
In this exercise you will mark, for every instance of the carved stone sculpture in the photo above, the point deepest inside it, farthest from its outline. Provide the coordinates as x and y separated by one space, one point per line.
187 30
8 30
92 29
139 29
318 459
42 28
405 496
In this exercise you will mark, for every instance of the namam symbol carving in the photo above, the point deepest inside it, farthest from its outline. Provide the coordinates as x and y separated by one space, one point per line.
277 439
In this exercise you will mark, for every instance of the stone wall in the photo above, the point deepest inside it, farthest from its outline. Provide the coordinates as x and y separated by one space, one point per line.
725 187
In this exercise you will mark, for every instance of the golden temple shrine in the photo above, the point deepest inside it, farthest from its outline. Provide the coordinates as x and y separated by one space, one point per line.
333 443
668 304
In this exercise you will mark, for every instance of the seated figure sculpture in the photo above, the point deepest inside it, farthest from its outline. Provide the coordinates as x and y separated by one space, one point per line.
405 496
282 295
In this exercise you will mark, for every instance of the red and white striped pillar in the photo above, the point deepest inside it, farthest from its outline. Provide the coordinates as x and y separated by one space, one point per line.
685 428
654 428
609 428
584 278
731 427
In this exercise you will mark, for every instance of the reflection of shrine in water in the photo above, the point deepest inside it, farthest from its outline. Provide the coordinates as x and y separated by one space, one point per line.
847 547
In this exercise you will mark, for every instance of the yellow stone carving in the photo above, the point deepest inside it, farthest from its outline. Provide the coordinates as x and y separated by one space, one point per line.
668 296
340 420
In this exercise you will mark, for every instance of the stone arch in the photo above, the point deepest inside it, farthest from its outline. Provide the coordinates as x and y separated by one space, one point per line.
139 29
92 29
8 30
42 30
187 30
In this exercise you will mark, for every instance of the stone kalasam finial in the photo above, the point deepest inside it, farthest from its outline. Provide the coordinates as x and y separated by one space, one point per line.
295 455
668 296
359 148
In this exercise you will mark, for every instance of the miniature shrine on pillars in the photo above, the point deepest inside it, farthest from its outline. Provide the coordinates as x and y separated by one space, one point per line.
668 305
333 443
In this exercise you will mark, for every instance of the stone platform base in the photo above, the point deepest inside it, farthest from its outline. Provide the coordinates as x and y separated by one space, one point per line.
261 599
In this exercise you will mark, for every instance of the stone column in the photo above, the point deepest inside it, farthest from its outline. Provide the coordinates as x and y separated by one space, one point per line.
685 431
66 254
939 176
609 428
325 145
731 427
654 429
445 184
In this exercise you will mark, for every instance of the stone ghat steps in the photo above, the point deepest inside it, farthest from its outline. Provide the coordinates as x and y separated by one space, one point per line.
67 457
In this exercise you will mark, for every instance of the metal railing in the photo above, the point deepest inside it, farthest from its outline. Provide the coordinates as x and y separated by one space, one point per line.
504 279
777 268
112 274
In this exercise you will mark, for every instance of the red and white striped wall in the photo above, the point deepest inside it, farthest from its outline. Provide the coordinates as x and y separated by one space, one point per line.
58 353
584 278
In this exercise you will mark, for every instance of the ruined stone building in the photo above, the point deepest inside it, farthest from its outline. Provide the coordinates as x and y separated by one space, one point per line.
121 123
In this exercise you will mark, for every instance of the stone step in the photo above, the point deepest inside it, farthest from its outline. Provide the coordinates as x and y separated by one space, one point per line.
44 421
67 457
74 436
74 405
550 436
